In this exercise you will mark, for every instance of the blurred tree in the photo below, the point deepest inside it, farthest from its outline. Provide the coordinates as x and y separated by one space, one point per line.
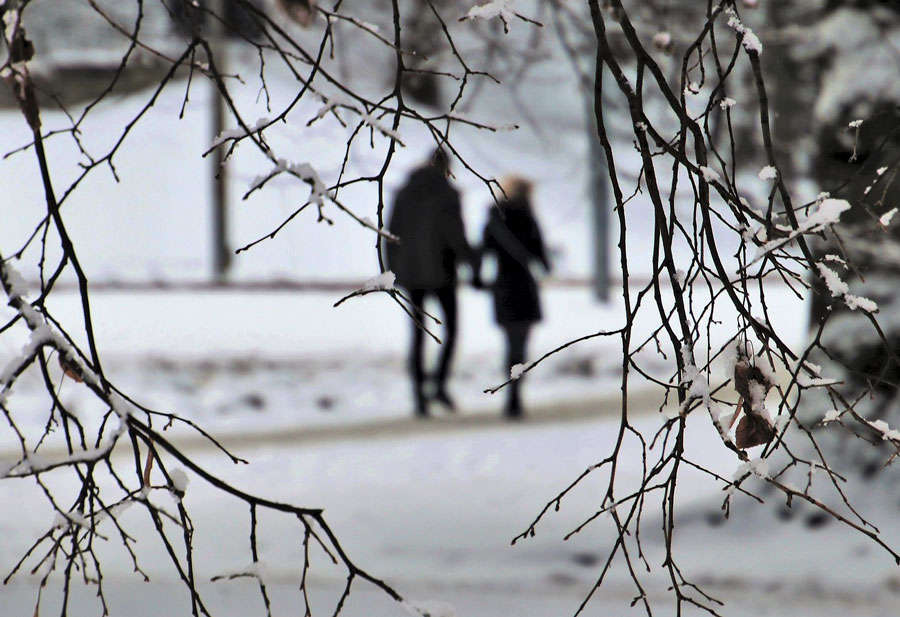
856 124
423 39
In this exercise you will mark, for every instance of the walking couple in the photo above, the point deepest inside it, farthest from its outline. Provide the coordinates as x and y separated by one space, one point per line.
427 219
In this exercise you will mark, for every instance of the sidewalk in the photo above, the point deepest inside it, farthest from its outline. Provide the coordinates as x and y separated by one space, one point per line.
404 425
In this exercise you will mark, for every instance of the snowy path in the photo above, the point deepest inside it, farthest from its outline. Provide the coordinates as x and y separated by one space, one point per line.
441 422
434 515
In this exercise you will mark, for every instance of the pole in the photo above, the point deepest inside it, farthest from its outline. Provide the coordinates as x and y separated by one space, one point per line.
221 252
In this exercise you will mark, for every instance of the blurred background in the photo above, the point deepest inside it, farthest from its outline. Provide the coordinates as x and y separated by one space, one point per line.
251 346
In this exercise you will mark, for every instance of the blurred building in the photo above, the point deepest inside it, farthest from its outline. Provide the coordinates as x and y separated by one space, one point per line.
79 49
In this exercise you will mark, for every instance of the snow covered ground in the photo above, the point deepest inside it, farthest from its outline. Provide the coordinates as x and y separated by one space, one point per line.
323 414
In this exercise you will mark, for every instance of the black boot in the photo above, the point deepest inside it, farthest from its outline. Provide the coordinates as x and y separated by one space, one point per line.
441 396
421 402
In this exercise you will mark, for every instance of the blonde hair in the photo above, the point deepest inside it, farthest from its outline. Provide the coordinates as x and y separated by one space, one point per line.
516 187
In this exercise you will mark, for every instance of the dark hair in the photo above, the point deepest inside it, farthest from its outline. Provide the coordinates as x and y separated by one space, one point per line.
439 160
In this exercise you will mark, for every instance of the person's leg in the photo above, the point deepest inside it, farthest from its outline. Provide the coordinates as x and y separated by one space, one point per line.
516 341
416 370
446 296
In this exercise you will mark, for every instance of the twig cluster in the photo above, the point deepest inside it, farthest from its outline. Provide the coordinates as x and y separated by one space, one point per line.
122 459
718 251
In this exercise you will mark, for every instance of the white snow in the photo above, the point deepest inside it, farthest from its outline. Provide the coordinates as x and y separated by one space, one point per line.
839 288
832 415
805 381
303 171
239 132
833 281
429 608
492 9
385 280
749 40
758 467
861 303
709 174
827 212
179 480
516 370
886 431
257 569
768 173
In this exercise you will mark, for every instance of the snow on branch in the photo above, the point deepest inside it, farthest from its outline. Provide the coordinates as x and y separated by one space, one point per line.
380 282
749 40
498 9
334 102
383 281
494 128
698 389
768 173
429 608
256 569
887 433
758 467
827 213
833 281
239 132
516 370
491 10
33 464
42 334
709 174
839 288
303 171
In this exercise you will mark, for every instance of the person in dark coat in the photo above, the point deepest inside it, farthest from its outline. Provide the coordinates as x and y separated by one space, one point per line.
512 235
427 218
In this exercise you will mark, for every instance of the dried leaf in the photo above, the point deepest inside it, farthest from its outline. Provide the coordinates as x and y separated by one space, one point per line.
753 430
68 369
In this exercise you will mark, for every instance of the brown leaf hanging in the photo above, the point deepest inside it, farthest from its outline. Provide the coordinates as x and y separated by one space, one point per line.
754 429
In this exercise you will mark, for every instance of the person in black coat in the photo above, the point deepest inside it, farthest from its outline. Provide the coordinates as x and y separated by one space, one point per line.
512 235
426 217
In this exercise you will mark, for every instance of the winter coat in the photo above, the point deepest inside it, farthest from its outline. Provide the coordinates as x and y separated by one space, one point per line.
512 234
426 217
